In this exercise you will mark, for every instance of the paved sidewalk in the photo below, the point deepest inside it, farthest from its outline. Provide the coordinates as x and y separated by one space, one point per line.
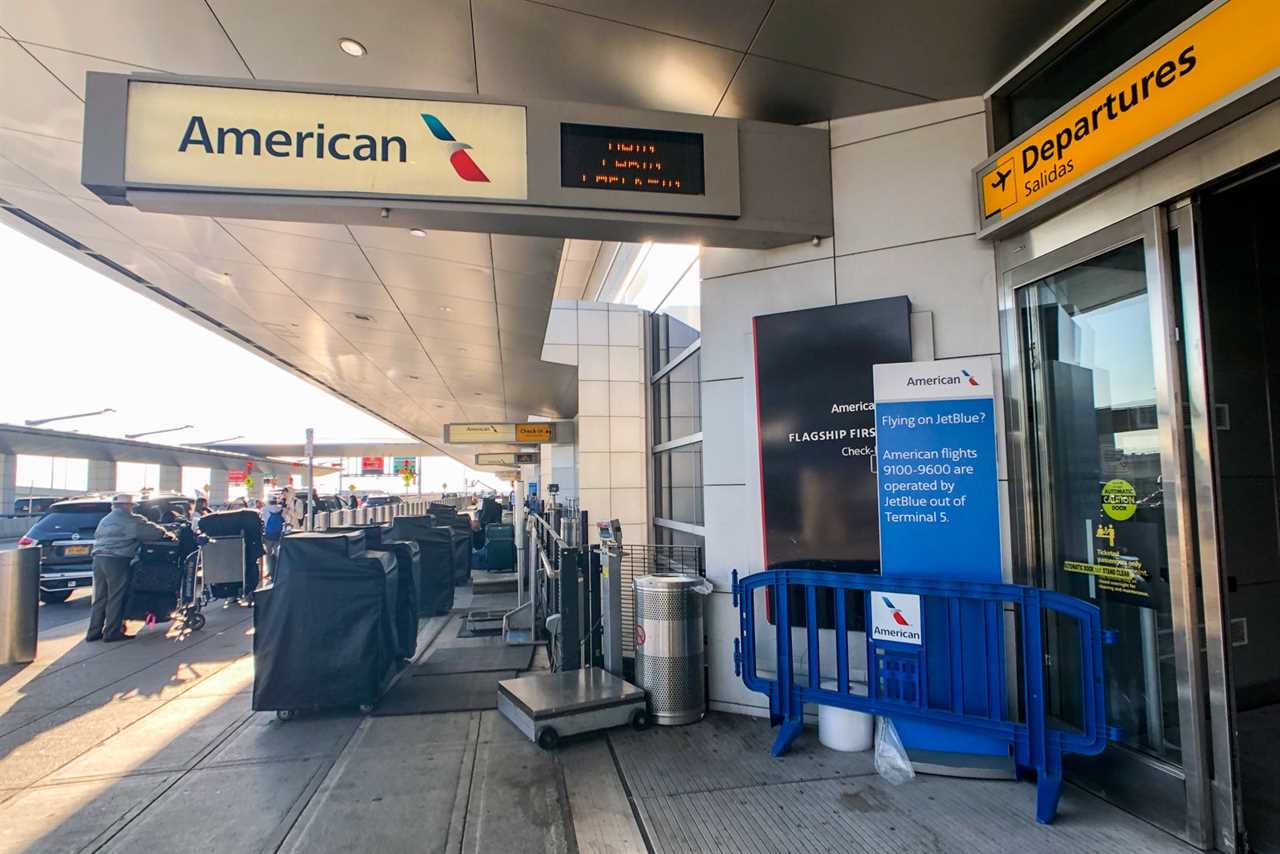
151 745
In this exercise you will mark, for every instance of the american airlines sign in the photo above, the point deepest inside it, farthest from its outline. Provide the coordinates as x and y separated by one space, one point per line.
245 139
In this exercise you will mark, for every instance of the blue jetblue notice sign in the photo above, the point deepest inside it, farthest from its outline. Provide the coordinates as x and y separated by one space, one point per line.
936 470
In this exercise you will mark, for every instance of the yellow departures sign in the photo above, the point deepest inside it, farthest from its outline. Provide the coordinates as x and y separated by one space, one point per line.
1229 48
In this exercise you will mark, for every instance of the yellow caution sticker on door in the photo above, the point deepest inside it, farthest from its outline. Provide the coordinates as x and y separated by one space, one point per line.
1119 499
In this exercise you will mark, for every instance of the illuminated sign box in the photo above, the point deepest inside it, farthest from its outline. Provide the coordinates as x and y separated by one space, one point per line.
247 139
1176 91
631 159
503 433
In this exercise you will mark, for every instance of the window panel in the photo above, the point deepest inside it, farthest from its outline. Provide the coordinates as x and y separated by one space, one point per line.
677 482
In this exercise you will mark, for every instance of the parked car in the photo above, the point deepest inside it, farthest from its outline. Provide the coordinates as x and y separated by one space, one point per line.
379 500
36 505
65 537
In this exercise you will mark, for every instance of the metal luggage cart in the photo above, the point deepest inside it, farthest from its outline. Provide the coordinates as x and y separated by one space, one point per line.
215 570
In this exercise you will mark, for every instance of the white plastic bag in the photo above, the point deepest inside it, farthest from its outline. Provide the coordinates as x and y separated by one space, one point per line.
891 757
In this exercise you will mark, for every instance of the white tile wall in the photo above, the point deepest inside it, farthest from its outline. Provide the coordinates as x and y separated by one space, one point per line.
955 279
630 506
626 399
624 328
593 328
907 187
626 434
593 362
729 303
596 503
593 397
593 433
625 364
627 470
724 459
593 469
903 211
562 327
563 354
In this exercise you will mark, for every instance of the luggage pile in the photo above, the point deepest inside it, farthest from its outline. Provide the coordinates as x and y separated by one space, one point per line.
156 577
326 633
246 524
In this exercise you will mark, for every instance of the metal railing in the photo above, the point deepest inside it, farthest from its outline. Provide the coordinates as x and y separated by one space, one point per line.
949 671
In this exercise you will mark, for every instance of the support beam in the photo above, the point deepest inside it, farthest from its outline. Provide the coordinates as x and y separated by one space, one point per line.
218 487
102 476
170 478
8 482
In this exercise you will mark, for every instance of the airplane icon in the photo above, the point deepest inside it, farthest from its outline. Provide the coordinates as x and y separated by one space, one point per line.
1001 177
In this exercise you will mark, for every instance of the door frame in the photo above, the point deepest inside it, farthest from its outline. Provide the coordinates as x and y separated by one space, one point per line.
1184 222
1174 797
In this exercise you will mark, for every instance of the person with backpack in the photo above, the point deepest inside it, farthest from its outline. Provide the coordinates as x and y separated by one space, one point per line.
273 527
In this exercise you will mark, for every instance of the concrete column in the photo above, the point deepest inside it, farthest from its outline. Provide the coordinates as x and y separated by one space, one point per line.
170 478
217 486
102 476
8 482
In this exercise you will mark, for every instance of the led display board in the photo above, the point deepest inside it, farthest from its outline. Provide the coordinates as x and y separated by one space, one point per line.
645 161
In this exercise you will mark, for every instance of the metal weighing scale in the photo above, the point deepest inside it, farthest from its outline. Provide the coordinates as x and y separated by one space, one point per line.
548 706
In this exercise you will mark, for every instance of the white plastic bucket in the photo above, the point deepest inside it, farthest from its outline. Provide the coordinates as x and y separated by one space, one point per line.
842 729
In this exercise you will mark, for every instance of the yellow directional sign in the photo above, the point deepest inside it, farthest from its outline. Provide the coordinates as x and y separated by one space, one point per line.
1231 49
538 432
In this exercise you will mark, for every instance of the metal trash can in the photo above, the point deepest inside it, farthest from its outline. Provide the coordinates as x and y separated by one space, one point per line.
19 604
669 647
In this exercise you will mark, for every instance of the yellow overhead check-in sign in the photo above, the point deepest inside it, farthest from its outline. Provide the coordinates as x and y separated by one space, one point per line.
500 433
1229 48
233 139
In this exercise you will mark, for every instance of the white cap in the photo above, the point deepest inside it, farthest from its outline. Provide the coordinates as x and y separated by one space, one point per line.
122 498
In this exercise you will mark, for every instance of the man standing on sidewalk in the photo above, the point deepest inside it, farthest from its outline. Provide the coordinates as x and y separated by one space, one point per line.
115 542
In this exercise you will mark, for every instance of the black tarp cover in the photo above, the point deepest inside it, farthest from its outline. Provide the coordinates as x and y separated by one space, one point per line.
409 573
435 587
324 629
461 556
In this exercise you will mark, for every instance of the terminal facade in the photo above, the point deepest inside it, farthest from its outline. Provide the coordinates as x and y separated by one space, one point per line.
1095 222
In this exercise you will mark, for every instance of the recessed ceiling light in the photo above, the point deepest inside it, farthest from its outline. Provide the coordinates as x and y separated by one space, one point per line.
418 232
355 315
445 308
414 376
351 47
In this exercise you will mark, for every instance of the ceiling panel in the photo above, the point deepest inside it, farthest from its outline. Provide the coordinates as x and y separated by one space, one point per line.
533 291
181 36
522 321
415 272
56 162
521 344
702 20
33 100
349 292
427 304
798 95
248 275
321 230
410 44
12 175
527 254
70 68
65 214
191 235
471 349
463 333
462 247
379 321
307 254
533 50
940 50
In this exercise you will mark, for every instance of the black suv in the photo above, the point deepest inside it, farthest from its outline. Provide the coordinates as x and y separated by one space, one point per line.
65 537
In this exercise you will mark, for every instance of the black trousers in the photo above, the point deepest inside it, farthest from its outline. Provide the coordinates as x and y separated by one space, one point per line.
110 589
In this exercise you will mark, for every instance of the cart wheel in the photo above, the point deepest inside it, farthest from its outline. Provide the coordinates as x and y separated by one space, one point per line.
640 720
285 715
195 622
548 738
366 708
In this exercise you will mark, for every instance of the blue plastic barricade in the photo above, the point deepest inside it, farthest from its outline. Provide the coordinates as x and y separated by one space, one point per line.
921 666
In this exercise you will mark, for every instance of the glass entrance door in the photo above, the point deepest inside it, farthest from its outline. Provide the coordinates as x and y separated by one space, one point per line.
1105 507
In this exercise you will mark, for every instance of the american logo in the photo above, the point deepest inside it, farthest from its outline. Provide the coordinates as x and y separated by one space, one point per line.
462 163
897 615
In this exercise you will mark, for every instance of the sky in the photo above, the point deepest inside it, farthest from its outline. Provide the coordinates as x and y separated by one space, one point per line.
71 339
